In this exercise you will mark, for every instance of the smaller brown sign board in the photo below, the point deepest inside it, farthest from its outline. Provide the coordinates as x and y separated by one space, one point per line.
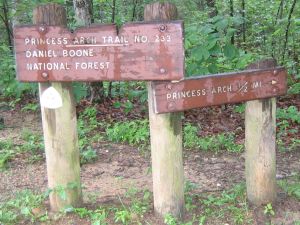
138 51
218 89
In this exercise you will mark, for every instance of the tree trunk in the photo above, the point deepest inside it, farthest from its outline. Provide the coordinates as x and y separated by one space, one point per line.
244 21
288 29
113 16
166 140
200 4
232 14
60 129
84 17
135 2
213 9
6 23
83 12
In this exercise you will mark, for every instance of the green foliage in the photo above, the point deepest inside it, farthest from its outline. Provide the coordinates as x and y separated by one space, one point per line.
137 133
139 206
294 89
6 153
134 132
133 213
269 210
122 216
30 107
8 84
209 49
240 108
127 106
21 207
291 113
170 220
80 90
88 155
87 124
213 143
230 204
292 188
97 217
33 142
288 117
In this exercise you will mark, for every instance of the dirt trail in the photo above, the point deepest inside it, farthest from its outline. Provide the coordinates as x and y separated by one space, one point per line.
120 167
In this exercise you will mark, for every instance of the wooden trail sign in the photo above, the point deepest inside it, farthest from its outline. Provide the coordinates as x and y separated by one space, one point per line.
139 51
218 89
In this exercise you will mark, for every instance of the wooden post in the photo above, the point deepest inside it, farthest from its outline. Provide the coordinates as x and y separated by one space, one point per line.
60 129
166 140
260 144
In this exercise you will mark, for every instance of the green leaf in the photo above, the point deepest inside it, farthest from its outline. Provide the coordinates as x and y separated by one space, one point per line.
213 68
230 51
216 49
222 24
201 53
117 104
26 211
212 43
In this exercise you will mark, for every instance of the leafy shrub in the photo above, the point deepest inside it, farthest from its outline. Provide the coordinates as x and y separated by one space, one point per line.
20 207
190 136
6 153
33 142
291 113
132 132
292 188
209 49
294 89
9 86
88 155
213 143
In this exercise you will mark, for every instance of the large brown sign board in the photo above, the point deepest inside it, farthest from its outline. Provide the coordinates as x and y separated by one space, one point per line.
138 51
218 89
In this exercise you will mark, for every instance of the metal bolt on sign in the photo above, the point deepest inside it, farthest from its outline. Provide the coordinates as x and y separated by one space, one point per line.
162 28
45 75
162 70
42 29
169 86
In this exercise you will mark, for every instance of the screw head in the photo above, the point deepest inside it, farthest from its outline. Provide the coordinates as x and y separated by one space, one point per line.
162 28
171 106
45 75
42 29
169 86
162 70
275 72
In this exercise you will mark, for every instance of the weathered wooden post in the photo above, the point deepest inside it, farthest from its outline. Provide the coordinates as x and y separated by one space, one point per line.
166 139
260 144
60 128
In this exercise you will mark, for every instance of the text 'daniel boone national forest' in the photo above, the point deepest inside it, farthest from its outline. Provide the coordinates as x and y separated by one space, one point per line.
139 51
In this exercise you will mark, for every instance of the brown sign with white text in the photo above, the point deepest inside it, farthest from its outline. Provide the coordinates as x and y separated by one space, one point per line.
218 89
139 51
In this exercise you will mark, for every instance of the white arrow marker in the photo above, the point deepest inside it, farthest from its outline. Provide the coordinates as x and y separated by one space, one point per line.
274 82
51 99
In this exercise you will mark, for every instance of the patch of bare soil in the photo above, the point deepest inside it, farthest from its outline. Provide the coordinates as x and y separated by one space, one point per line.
120 167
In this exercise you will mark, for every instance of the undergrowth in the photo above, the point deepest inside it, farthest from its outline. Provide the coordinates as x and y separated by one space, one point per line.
134 132
215 143
21 208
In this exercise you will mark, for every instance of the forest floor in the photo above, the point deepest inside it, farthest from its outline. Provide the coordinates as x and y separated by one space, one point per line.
117 185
